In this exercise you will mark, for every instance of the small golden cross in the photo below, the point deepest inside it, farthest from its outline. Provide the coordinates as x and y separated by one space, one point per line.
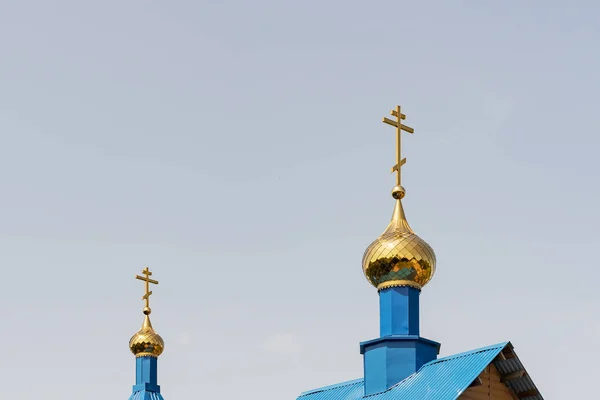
148 281
399 128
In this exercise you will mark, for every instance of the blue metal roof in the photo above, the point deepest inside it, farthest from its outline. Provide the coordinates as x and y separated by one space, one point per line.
442 379
144 395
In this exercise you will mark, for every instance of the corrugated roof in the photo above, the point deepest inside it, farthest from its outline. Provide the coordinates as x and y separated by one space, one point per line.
442 379
508 364
145 395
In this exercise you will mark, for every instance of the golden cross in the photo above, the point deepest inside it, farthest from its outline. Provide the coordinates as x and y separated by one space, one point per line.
148 281
399 128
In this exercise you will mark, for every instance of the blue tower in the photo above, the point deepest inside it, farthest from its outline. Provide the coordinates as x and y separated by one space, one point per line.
398 263
146 345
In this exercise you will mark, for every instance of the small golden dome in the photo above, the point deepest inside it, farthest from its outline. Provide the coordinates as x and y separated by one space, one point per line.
398 257
146 342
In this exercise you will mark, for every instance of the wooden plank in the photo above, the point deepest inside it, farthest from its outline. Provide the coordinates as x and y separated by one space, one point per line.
527 393
512 376
476 382
491 387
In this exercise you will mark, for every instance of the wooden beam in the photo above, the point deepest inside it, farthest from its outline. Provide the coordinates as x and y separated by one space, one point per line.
513 375
527 393
476 382
508 353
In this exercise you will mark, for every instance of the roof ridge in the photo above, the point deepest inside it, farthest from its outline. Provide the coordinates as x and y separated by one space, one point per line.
497 346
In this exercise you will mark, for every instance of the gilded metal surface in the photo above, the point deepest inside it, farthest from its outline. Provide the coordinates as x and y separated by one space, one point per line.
398 192
399 282
398 257
148 281
399 128
146 342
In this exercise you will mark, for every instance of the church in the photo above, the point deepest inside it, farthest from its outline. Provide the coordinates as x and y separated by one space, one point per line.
401 364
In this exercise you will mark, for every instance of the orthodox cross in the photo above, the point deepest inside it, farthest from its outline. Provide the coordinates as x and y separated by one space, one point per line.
146 278
399 128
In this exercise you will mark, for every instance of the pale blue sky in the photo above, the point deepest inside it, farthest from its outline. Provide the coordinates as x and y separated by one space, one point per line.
236 149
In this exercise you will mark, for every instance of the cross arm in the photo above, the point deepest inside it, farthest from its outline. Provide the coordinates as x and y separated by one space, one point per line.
146 279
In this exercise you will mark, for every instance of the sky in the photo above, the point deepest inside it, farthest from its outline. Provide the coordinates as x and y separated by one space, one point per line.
236 149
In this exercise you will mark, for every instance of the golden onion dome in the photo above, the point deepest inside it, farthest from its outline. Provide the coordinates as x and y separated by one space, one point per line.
146 342
398 257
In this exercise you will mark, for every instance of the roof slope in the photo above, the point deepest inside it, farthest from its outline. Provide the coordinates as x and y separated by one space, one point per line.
144 395
442 379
